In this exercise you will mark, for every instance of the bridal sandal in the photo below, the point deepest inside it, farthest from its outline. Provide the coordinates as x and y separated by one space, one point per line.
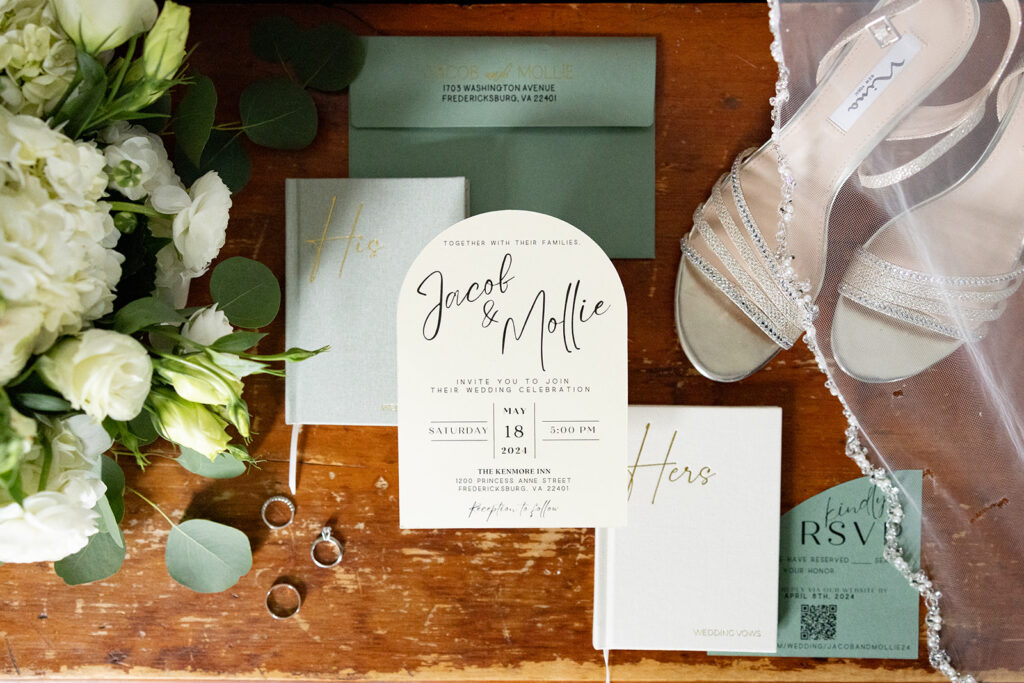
897 317
732 312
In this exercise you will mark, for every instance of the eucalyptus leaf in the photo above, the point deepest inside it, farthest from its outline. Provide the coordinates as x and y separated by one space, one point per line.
113 476
275 39
108 522
206 556
144 312
331 57
100 558
237 342
278 113
224 466
43 403
194 118
246 291
225 154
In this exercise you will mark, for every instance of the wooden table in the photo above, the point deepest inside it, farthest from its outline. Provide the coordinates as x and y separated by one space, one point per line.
435 605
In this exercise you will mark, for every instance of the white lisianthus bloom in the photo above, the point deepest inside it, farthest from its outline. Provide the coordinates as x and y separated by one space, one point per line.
56 518
98 25
104 373
19 327
199 230
188 424
37 60
206 326
137 161
56 237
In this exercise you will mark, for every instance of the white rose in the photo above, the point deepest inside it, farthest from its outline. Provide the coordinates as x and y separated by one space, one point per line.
199 230
48 528
138 162
103 373
19 327
206 326
57 519
98 25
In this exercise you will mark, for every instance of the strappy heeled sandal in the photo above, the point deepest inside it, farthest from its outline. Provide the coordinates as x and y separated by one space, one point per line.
732 312
897 317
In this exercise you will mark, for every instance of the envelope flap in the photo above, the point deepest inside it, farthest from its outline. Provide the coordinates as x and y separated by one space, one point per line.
432 82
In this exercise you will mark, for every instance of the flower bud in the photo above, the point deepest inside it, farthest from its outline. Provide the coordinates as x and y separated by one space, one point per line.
196 378
206 326
164 50
188 424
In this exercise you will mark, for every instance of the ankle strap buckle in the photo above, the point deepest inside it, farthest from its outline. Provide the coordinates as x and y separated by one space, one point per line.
884 33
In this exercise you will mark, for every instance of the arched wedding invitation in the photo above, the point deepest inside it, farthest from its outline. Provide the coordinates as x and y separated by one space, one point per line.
512 378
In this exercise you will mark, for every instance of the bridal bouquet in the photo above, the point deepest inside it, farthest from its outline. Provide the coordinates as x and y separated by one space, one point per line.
100 240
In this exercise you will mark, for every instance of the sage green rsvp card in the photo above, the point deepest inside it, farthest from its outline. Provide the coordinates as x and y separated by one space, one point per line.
838 597
562 126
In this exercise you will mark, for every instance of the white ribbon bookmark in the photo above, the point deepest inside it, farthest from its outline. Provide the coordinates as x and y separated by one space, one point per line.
293 458
607 669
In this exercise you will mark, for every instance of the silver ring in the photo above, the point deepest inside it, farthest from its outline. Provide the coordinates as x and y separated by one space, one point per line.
325 537
298 601
278 499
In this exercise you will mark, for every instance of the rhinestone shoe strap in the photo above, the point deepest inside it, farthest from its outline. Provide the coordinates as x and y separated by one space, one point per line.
958 118
752 279
955 307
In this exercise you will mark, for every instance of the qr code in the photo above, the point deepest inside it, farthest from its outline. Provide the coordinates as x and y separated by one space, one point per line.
818 622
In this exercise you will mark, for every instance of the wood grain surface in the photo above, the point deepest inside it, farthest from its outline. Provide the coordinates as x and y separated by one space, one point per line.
435 605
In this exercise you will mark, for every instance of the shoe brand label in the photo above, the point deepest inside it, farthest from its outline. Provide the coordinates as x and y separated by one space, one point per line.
874 84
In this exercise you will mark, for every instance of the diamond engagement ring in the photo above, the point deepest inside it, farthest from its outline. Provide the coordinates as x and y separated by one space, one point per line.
276 503
325 537
283 600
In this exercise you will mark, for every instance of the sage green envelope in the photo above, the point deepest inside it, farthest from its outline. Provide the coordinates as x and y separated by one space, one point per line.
562 126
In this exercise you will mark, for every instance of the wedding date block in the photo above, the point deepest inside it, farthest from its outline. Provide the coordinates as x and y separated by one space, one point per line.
512 383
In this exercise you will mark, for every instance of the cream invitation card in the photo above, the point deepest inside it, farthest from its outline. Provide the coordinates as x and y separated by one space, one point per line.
512 378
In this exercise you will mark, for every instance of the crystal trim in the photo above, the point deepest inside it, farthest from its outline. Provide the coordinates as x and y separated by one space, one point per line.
955 307
855 449
919 163
753 282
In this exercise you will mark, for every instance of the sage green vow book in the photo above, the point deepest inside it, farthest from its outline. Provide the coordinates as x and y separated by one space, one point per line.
562 126
349 243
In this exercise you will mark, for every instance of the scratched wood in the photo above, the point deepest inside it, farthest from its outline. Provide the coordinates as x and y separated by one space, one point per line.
435 605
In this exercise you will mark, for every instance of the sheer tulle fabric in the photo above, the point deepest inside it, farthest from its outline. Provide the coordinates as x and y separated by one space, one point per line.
928 353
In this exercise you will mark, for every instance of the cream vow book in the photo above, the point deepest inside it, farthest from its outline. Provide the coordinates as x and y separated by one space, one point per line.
696 568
